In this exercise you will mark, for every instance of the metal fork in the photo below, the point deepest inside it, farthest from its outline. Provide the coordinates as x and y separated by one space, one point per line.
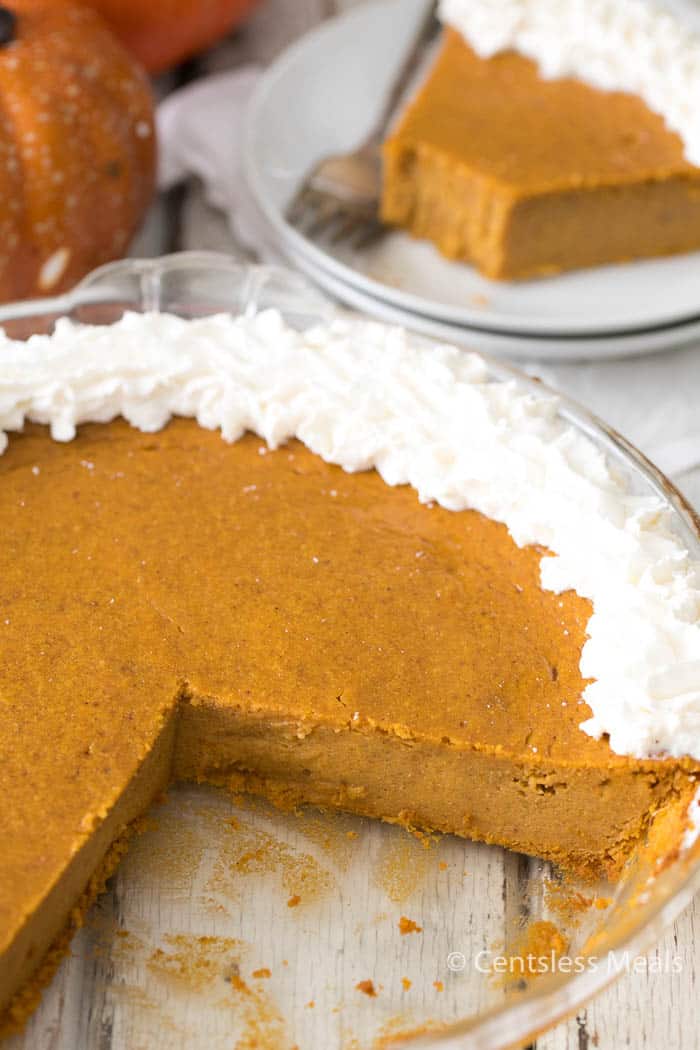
339 199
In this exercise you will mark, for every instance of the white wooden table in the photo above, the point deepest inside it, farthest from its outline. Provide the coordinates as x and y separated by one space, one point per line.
641 1011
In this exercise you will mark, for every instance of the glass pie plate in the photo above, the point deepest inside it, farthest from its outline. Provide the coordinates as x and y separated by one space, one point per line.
229 923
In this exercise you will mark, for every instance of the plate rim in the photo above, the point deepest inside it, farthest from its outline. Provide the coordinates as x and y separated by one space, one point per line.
592 349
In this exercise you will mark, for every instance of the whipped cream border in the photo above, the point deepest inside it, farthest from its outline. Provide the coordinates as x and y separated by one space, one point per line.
646 47
362 394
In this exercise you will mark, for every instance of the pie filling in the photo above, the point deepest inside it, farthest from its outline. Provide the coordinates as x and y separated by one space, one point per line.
176 607
647 48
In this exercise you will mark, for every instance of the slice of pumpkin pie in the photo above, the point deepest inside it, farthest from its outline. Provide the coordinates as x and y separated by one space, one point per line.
389 586
547 137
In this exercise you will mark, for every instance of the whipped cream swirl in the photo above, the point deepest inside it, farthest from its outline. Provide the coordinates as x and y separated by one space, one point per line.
650 48
361 395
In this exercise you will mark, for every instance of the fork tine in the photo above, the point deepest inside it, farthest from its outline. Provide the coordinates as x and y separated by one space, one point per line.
317 214
301 204
365 233
312 211
344 229
337 226
328 212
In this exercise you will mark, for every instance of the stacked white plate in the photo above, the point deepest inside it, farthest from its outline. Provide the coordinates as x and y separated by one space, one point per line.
322 96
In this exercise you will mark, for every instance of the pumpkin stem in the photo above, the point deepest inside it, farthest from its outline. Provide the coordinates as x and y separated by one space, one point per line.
8 25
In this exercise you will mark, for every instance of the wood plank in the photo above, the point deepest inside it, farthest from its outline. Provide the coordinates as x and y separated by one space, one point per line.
645 1012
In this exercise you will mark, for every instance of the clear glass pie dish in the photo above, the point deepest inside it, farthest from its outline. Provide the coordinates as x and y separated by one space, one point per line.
229 920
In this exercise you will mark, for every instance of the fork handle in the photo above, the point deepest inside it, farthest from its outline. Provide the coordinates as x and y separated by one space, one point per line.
427 29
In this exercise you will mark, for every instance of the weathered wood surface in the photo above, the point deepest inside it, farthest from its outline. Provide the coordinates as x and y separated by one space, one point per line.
107 995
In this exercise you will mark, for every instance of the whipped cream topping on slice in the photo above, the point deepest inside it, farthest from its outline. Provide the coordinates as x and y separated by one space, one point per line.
361 395
650 48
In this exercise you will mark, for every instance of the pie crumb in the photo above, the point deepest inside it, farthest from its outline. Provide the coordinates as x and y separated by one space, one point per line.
408 926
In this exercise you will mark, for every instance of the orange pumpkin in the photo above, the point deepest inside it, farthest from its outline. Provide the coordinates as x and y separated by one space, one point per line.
77 146
162 33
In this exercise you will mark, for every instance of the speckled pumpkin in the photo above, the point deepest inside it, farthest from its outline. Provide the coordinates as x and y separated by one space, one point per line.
77 146
163 32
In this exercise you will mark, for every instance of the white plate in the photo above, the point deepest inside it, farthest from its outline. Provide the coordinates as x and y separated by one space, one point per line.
502 343
322 96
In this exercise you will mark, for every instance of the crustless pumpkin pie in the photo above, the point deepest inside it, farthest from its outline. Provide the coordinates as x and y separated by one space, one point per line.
177 606
524 176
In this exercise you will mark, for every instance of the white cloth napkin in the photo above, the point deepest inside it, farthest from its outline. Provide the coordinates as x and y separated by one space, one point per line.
199 130
654 400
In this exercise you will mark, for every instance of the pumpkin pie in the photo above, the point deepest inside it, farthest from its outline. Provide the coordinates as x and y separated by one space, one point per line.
174 606
524 176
